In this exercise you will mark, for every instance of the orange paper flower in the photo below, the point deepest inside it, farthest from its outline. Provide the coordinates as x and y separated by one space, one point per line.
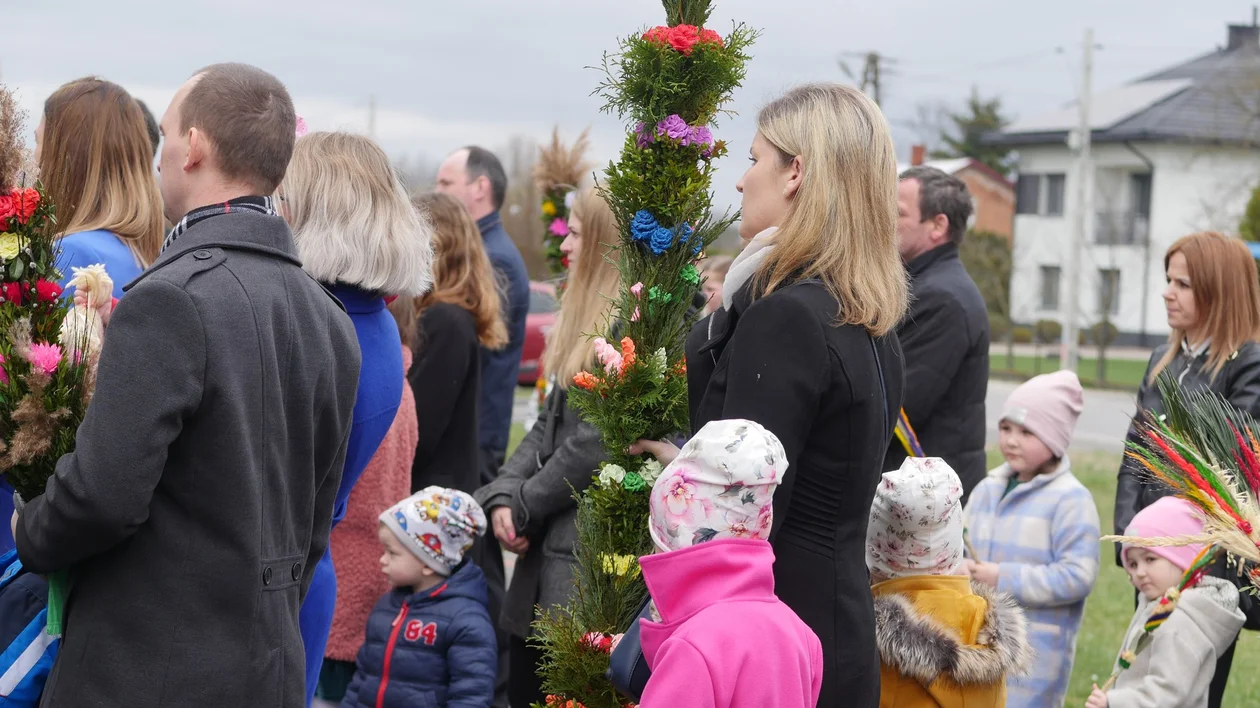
627 354
585 380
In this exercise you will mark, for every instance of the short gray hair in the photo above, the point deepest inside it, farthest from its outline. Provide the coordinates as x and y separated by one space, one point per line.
941 193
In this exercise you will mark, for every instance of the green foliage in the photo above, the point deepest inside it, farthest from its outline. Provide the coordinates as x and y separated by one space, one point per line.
1249 227
978 118
553 208
1047 331
987 258
1103 334
1021 335
686 12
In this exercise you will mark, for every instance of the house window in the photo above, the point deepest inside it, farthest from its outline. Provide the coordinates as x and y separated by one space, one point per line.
1108 292
1028 194
1050 288
1054 194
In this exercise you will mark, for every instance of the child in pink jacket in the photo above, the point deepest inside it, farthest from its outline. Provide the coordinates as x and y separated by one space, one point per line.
721 638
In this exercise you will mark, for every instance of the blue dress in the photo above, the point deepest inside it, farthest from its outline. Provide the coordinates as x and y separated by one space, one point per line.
380 394
78 251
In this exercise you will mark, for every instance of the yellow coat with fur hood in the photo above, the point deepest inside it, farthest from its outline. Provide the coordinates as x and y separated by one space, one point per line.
946 642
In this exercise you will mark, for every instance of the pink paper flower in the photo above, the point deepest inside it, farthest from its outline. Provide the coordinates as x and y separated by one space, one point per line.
301 126
607 355
636 289
559 227
45 357
4 375
635 316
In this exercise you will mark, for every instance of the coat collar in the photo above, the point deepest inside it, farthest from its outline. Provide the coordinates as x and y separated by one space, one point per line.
244 231
921 263
921 647
1004 473
356 300
489 222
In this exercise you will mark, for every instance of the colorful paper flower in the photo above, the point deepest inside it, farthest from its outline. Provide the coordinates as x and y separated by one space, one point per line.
585 380
611 474
683 38
10 245
548 207
698 135
25 201
633 482
651 470
47 291
635 316
4 375
599 641
708 36
300 128
658 294
643 226
636 289
11 292
643 135
662 239
657 35
607 355
619 564
45 357
690 275
559 227
673 127
6 206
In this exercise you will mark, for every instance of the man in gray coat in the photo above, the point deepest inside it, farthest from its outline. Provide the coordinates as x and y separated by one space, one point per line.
200 494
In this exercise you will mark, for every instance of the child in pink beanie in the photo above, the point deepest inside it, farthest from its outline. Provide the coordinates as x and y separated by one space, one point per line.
1177 666
720 637
1035 530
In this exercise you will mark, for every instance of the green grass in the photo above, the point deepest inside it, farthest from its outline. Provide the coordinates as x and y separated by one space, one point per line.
1121 373
1110 606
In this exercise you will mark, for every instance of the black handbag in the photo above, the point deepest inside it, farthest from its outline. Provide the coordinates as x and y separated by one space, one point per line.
627 668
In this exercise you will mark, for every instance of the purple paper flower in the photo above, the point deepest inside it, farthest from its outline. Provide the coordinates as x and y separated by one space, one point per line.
673 127
699 135
643 136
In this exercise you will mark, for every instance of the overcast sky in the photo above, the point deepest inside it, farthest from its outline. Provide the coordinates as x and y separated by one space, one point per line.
448 73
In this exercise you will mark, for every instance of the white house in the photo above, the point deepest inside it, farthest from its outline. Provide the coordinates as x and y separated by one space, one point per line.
1173 153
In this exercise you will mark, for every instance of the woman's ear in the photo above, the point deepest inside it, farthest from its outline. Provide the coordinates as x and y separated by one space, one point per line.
796 172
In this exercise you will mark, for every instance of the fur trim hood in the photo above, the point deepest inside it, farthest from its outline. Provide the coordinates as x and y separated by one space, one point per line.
923 649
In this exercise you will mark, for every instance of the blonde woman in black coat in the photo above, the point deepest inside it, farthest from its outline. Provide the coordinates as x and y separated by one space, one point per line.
804 344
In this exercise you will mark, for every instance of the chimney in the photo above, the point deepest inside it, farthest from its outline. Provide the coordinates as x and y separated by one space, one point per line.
916 155
1246 37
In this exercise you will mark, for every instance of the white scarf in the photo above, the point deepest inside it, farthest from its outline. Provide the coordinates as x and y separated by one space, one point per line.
746 264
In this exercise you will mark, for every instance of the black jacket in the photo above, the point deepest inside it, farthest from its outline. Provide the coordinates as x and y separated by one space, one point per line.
830 393
945 340
200 493
446 378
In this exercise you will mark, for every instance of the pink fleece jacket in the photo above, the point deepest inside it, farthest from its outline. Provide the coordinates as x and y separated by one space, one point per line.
356 550
725 640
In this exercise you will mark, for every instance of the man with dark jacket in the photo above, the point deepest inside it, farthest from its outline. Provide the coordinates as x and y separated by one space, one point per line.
945 336
200 494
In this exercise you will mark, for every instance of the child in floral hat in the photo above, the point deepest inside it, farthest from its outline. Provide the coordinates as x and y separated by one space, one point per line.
943 640
430 640
712 581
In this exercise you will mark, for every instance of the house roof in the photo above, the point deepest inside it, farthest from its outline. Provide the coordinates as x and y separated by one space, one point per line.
1213 98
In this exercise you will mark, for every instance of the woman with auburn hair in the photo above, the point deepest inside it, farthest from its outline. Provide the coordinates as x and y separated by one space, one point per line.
96 162
1213 304
531 506
357 233
453 320
804 344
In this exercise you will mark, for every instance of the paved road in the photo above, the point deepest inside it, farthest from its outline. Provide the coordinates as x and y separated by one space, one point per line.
1103 424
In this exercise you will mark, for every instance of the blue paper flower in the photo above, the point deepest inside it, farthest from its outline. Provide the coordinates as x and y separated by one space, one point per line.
644 225
684 233
662 239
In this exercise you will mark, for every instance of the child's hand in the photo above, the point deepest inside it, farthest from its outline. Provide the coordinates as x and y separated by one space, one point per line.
664 452
616 639
1097 699
104 311
987 573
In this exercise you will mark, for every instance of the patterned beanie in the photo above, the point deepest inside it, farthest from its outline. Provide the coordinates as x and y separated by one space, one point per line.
721 485
916 525
437 525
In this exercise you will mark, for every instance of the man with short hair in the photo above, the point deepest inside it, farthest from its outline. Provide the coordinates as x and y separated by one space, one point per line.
945 336
199 497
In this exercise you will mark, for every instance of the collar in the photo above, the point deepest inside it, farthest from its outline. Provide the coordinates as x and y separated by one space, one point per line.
489 222
261 205
745 265
1005 473
1198 351
357 301
923 261
688 580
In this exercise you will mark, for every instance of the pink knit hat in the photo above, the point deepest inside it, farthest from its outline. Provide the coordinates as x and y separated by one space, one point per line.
1169 516
1048 405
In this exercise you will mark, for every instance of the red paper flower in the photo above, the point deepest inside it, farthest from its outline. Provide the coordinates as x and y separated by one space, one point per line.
47 291
657 35
6 206
24 203
564 261
708 36
11 292
683 38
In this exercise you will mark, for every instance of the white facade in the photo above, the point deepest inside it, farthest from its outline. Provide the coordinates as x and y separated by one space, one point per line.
1192 188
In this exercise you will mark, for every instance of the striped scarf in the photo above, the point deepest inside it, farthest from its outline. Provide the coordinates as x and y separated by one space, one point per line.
258 205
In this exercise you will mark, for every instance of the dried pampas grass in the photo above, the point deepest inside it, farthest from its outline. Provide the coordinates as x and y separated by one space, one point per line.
560 165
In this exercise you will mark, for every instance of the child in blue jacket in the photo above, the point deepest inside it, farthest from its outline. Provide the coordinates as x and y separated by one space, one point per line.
430 641
27 652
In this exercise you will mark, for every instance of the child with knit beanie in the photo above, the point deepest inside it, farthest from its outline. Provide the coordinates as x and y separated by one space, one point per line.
429 641
1176 667
943 640
1034 529
720 637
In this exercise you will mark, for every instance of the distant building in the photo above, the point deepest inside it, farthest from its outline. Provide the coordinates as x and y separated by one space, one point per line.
1174 152
992 195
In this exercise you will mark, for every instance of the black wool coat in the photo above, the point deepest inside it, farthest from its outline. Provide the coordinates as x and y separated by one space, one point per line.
830 393
200 494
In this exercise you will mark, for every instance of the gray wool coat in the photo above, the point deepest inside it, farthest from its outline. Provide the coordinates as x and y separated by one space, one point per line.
200 494
559 455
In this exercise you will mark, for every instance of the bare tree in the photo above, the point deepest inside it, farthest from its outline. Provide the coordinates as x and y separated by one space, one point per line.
522 208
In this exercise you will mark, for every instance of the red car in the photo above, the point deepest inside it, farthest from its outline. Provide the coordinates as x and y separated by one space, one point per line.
542 315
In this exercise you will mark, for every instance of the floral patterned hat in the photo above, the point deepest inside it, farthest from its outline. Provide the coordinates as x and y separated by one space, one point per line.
916 525
720 486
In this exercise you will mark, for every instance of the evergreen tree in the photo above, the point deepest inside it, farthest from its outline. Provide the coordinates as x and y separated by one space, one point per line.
1249 227
978 118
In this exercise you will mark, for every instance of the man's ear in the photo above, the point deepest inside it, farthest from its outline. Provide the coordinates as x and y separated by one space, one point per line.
940 228
198 149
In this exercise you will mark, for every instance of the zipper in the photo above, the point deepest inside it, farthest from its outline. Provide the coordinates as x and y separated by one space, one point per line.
389 654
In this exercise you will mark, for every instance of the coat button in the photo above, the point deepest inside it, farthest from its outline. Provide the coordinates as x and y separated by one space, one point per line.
297 571
267 575
201 255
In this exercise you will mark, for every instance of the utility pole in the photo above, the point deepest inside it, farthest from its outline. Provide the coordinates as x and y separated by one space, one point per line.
875 67
1069 352
372 116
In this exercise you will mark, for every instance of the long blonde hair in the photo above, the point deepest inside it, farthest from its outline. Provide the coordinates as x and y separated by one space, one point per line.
841 227
1226 291
587 304
462 274
97 163
352 220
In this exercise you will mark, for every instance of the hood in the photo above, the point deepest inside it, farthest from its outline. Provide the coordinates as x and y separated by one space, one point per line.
921 647
467 581
1213 605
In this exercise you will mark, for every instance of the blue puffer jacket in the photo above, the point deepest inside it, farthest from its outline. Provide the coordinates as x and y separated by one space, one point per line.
431 649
